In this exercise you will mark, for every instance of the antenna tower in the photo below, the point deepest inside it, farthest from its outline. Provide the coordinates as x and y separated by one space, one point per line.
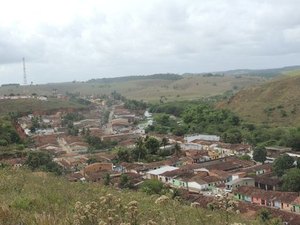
24 73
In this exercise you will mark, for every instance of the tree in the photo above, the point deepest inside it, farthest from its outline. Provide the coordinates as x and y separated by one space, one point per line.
36 160
282 163
43 161
107 179
152 187
260 154
164 142
139 142
291 180
177 149
125 181
123 155
152 145
232 136
298 163
245 157
293 139
91 160
264 215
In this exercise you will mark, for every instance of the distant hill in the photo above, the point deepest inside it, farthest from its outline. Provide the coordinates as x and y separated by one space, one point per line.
163 76
276 102
268 73
148 88
169 86
265 73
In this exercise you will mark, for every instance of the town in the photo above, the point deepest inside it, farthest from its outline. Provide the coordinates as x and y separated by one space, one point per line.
108 143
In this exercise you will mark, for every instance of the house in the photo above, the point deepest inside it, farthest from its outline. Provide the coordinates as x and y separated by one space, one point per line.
182 177
157 173
274 199
97 167
234 184
191 146
222 174
119 124
258 169
203 137
296 205
275 151
267 182
226 149
197 156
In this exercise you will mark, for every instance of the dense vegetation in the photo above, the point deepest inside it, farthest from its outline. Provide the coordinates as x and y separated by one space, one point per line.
43 161
288 170
147 149
96 144
203 117
8 134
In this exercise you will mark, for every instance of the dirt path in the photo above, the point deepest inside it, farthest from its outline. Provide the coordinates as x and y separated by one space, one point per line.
64 145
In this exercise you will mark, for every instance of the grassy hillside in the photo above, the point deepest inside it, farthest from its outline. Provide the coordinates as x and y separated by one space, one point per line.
268 73
275 103
31 105
146 88
40 198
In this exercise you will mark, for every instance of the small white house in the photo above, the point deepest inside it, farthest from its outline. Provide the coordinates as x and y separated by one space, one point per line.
156 174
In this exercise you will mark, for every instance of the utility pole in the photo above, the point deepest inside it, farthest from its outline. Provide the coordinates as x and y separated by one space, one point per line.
24 73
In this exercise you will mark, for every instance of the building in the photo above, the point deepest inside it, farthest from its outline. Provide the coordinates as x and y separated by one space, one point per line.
158 173
191 138
234 184
287 201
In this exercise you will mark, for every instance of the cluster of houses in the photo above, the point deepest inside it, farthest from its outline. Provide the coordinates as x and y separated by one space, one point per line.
206 166
198 173
287 201
15 97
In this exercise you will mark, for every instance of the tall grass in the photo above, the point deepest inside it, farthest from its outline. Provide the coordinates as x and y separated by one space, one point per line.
43 199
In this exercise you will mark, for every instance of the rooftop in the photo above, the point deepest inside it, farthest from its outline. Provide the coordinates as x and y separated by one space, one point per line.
162 170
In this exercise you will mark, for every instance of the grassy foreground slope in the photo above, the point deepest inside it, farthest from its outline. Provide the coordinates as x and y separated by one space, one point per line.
39 198
276 102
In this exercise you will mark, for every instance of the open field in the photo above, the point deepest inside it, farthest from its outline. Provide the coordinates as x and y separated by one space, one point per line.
187 88
32 105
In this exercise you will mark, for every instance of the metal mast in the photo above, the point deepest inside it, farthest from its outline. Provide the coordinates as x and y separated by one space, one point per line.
24 73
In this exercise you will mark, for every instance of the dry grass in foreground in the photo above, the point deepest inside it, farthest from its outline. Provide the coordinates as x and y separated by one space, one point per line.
43 199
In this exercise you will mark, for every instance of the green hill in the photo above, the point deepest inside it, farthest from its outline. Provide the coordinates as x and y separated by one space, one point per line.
268 73
147 88
43 199
276 102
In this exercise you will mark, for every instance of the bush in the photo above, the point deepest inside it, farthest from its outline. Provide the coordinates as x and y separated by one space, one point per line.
152 187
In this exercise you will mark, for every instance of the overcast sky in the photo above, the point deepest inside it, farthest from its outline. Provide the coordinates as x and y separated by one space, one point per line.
81 39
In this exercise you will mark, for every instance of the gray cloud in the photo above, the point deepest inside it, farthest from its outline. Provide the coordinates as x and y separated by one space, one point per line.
144 37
